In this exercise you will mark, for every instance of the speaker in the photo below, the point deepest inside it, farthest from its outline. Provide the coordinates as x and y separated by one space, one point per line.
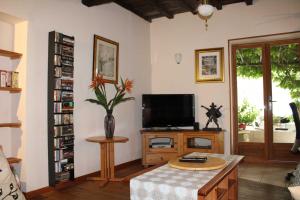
196 126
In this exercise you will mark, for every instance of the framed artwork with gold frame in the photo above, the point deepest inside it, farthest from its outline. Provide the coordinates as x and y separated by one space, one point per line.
106 59
209 65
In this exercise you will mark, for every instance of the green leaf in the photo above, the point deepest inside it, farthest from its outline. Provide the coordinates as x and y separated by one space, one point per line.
93 101
101 98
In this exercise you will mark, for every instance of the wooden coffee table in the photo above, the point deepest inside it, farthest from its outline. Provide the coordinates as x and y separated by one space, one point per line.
107 157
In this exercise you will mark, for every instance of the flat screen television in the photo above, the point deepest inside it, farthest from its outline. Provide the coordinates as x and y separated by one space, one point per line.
168 110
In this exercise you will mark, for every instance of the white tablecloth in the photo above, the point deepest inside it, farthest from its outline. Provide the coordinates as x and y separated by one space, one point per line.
166 183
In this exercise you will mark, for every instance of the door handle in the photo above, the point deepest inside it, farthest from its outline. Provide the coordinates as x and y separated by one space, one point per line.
271 100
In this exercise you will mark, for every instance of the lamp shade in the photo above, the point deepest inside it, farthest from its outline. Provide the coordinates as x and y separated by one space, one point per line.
205 10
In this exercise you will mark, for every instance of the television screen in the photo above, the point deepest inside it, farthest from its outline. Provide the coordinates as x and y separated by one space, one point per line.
168 110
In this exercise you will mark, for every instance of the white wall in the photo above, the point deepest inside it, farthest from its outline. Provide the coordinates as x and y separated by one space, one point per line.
7 35
186 32
72 18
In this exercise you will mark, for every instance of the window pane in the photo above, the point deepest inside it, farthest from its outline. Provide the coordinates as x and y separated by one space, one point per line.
250 95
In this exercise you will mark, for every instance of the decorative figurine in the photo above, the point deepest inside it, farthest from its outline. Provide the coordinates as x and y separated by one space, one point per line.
213 113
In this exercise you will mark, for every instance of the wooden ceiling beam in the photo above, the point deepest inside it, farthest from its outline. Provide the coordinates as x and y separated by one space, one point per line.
189 6
249 2
150 9
219 4
90 3
161 8
133 9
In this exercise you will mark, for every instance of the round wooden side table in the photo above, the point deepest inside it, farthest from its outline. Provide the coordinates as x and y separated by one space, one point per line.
107 157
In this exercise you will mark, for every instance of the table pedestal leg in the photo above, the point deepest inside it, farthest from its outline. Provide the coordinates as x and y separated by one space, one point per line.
107 164
104 158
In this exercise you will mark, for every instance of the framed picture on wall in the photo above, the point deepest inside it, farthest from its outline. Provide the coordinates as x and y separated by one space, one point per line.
106 59
209 65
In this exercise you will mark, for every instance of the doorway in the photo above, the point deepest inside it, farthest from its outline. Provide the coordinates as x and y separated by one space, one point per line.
265 79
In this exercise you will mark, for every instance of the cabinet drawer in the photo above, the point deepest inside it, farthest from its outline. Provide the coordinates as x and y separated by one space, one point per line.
159 158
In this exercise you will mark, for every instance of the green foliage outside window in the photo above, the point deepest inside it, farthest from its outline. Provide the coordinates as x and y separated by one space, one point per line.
285 65
247 113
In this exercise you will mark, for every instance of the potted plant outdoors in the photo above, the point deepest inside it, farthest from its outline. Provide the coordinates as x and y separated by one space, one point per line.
98 85
247 114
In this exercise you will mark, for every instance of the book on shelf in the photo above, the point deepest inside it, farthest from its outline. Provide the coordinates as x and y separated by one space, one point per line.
57 84
63 142
9 79
63 119
68 58
67 96
68 166
68 40
63 167
15 79
57 95
66 84
68 154
58 155
63 155
3 78
57 107
57 60
67 62
62 176
63 39
57 119
67 72
67 51
63 130
63 107
57 48
67 118
57 72
67 106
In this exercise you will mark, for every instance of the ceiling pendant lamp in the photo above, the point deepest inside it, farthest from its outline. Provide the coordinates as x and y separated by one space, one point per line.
205 11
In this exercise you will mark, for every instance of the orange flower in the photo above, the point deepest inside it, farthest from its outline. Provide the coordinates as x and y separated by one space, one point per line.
98 80
128 85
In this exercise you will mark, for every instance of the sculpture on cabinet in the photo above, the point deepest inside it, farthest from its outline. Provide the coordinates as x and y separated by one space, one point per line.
213 113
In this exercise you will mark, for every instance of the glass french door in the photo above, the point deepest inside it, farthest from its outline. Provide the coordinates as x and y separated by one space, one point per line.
250 120
266 78
285 88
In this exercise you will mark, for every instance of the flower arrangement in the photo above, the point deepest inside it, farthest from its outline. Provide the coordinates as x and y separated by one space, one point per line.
98 85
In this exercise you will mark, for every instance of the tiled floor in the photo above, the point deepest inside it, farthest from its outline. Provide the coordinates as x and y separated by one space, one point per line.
266 173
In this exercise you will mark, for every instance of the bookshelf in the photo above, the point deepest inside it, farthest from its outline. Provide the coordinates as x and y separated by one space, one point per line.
11 125
10 89
10 84
13 160
10 54
60 108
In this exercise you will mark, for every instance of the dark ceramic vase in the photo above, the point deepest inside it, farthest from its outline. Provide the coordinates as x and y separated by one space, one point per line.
109 124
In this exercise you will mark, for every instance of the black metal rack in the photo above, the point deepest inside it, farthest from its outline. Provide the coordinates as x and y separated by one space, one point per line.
60 117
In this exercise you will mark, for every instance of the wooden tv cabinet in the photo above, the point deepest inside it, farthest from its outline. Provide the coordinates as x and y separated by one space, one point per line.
155 149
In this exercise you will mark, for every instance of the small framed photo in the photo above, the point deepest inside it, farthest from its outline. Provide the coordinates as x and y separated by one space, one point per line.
209 65
106 59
